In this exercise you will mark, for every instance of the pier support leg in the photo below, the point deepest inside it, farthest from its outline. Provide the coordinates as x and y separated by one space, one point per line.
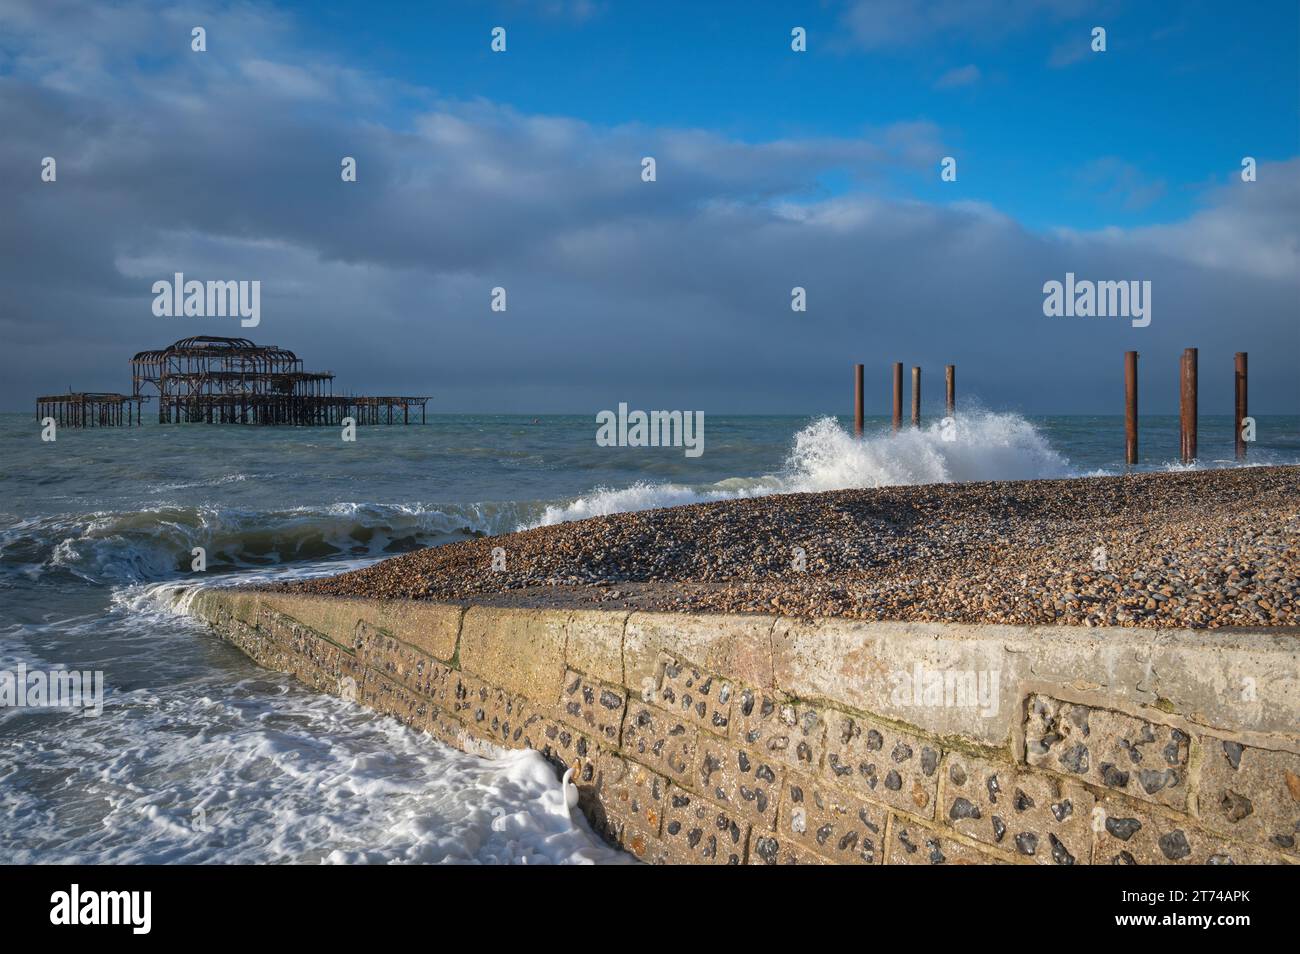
1187 405
1130 407
950 388
1242 413
916 397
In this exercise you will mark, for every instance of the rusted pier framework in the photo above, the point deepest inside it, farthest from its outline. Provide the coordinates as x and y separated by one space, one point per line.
90 409
234 381
380 410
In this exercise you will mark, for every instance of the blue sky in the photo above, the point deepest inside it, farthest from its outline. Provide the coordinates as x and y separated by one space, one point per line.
1042 128
776 169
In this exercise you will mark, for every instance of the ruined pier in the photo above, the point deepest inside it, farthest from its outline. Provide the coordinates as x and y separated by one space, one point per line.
213 380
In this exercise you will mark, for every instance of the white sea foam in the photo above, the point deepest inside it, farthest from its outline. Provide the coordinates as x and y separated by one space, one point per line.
260 771
824 456
156 543
214 760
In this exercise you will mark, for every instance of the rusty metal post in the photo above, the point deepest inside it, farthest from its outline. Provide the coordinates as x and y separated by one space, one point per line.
898 395
1187 405
858 406
916 397
1130 407
1242 413
950 387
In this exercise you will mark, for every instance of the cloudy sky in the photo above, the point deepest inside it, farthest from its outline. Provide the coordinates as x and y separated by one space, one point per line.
775 169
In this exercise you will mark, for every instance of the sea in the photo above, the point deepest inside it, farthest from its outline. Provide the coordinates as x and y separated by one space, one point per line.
198 756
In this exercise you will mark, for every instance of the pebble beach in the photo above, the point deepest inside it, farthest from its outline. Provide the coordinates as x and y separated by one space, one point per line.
1188 549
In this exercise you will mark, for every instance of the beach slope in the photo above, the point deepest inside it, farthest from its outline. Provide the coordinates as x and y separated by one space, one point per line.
1187 549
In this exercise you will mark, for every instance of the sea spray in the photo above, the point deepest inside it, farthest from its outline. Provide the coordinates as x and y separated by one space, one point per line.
979 446
973 446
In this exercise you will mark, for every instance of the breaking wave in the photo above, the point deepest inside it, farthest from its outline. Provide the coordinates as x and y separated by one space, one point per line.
972 447
258 771
153 544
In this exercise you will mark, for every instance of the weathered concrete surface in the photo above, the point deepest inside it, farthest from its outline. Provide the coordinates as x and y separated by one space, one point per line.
595 643
1250 792
767 740
521 652
430 627
740 646
1249 680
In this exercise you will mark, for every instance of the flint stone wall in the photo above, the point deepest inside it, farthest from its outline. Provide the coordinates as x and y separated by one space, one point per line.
714 739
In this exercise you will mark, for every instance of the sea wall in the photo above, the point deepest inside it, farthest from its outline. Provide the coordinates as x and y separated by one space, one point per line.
717 739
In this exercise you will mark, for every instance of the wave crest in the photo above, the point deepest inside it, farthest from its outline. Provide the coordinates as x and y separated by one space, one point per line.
156 544
973 446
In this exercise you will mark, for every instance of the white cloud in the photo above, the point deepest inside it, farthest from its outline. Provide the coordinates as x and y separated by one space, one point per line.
960 76
886 24
1121 183
1248 228
613 282
284 79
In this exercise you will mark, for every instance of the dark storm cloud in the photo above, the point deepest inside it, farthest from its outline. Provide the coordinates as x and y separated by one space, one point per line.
675 293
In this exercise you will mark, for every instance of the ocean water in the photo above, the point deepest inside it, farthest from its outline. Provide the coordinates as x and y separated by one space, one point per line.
199 756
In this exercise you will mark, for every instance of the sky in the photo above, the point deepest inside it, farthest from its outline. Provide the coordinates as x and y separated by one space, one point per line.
775 169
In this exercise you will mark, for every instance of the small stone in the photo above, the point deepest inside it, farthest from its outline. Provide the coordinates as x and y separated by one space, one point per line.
1153 781
1293 784
1235 806
1232 752
1026 842
1075 758
768 849
1123 828
1059 852
929 761
1114 777
1174 845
